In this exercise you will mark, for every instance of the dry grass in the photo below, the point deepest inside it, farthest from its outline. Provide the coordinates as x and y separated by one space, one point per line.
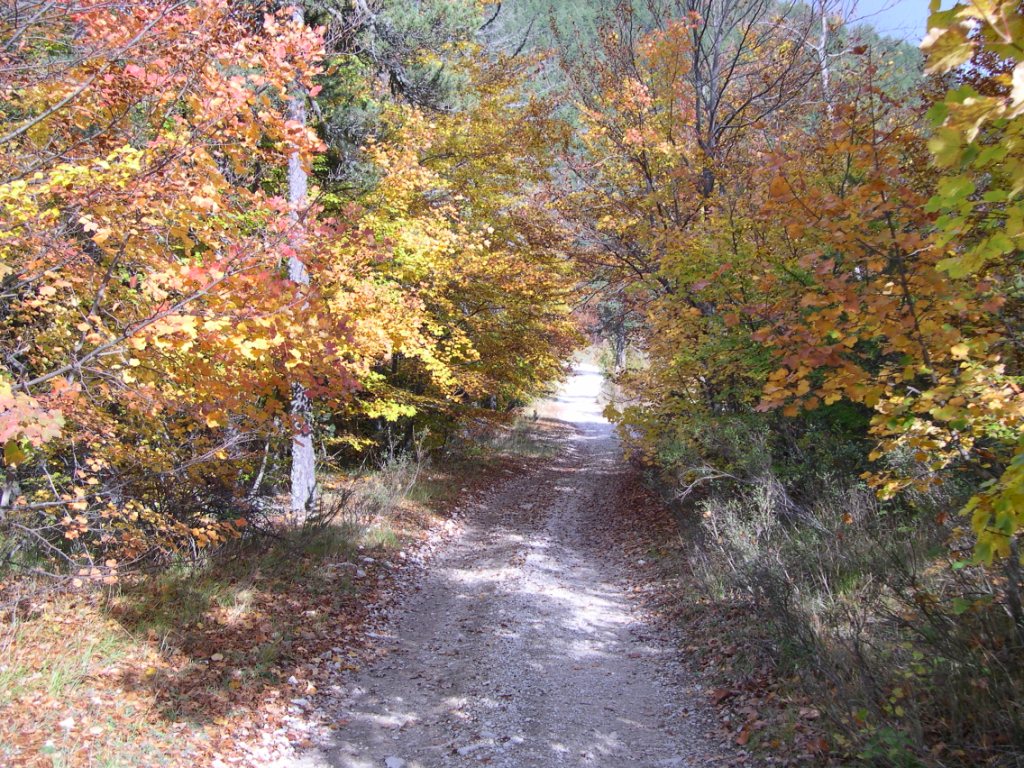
913 662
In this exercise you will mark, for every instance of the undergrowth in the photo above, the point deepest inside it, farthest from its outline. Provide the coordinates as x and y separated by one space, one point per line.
870 609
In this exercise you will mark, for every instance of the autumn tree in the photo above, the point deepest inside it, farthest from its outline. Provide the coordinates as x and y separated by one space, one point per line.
184 267
977 144
141 256
446 175
662 172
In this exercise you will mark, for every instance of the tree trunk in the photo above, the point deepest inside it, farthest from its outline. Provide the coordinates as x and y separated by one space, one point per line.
824 64
303 455
619 346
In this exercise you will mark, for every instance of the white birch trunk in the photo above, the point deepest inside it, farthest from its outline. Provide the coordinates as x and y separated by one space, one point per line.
303 480
823 60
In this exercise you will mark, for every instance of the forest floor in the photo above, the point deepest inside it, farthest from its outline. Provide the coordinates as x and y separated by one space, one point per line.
525 644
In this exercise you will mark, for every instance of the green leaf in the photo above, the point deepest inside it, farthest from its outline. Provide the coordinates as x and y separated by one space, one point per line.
946 146
938 113
993 154
947 46
961 605
956 187
14 454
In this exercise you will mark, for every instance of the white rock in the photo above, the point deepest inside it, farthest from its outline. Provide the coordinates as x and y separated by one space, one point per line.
471 748
394 762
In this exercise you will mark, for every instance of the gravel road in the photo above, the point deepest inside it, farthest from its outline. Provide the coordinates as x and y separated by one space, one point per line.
521 648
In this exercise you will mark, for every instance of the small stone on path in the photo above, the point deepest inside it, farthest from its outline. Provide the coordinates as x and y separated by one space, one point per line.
471 748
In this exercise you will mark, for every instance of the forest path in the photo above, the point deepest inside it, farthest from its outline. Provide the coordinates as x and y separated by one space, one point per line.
521 648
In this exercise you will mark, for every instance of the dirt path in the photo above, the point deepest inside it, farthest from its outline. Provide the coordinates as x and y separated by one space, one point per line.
520 649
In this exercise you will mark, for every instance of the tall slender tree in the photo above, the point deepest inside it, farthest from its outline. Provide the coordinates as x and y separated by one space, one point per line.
303 475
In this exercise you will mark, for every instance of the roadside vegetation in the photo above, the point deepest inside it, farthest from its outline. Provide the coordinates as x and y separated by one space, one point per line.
812 304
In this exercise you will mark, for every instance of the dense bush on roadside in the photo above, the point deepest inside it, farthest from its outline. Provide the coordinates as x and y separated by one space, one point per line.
911 652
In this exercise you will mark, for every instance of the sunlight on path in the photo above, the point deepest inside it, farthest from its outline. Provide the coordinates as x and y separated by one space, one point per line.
521 647
580 400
